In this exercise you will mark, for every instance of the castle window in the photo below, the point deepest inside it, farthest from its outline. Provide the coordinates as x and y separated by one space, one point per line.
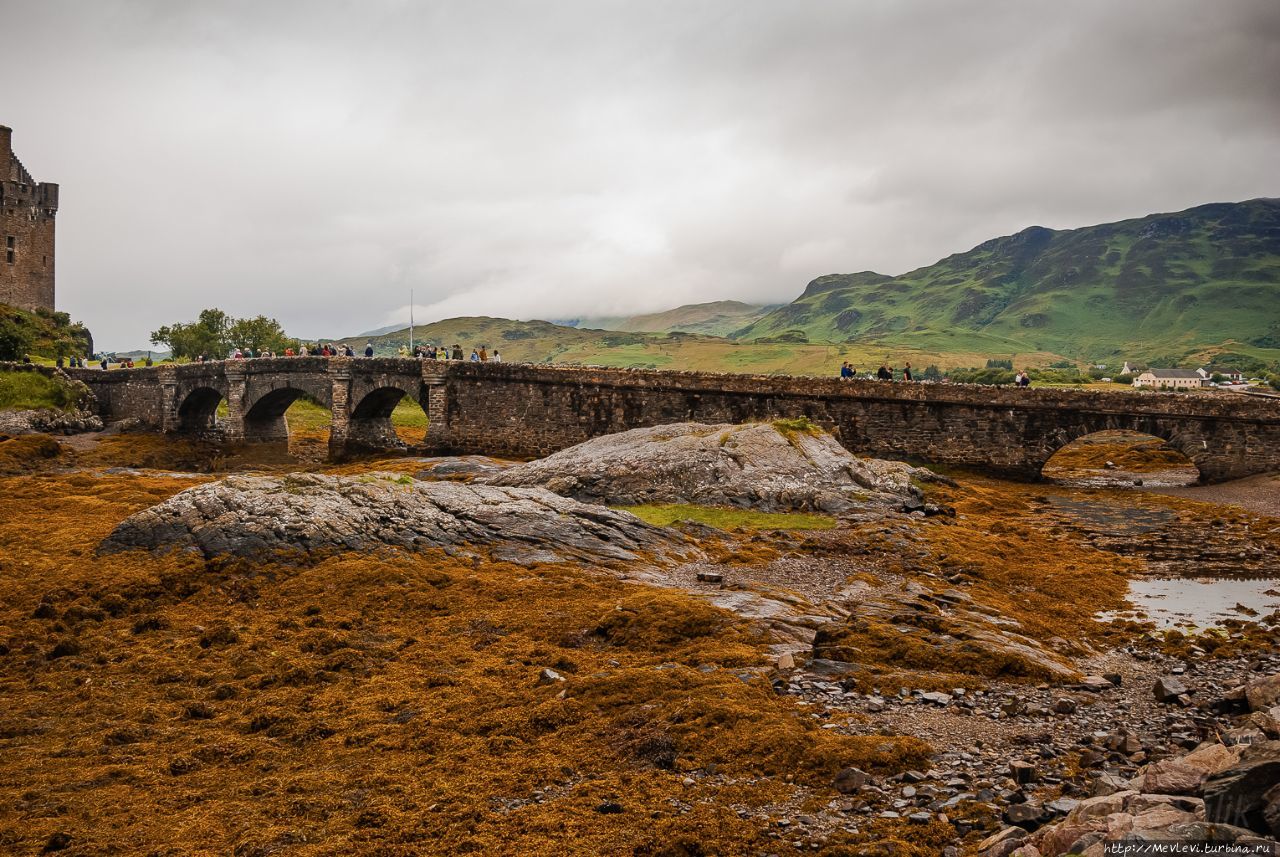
9 242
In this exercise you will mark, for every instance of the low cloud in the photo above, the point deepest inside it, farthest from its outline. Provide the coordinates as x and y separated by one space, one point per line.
315 161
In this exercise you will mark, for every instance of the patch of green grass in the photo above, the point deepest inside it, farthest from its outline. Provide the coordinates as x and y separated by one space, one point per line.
723 518
29 390
796 425
409 414
311 416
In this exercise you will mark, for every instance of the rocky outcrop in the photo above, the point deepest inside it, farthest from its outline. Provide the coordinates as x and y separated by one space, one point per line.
48 421
942 630
256 516
773 467
1216 793
1248 792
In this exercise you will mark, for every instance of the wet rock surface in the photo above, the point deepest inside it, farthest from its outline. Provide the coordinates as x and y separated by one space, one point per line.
255 516
48 421
757 465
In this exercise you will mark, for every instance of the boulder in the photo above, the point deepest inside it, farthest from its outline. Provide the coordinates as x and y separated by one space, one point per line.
767 466
1244 794
1267 722
1172 777
850 780
260 516
1002 843
1263 693
1168 688
1212 758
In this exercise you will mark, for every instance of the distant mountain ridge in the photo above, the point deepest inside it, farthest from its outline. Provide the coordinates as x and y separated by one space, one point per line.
1156 288
715 318
1164 283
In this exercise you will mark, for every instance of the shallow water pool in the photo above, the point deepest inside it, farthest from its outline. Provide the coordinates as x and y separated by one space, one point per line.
1199 602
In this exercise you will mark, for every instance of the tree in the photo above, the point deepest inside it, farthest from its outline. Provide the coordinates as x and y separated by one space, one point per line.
259 333
15 340
215 333
207 335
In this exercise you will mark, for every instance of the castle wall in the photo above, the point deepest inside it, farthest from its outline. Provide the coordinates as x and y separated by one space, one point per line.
27 212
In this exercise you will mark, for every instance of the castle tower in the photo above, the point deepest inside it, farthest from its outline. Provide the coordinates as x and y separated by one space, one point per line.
27 211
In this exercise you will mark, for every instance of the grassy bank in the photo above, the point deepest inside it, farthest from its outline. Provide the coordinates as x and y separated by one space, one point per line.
27 390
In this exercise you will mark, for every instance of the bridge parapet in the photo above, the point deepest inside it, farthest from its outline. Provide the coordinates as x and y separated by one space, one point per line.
529 410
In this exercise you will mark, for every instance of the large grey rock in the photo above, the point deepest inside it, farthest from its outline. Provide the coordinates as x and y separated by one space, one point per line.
256 516
755 465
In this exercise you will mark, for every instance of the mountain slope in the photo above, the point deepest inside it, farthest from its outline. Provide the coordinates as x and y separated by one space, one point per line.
1161 284
543 342
716 318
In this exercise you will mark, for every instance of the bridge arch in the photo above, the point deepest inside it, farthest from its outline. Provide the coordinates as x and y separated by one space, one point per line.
198 410
264 418
1194 439
1120 457
370 423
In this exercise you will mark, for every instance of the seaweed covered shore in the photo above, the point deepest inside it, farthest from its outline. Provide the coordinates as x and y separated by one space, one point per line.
774 691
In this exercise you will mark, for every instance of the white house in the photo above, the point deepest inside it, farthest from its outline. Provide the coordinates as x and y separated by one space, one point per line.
1170 379
1229 374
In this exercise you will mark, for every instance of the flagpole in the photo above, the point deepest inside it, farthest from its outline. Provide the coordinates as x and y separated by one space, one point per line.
410 322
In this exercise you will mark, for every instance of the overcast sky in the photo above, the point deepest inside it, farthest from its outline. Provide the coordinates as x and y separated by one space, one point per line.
314 161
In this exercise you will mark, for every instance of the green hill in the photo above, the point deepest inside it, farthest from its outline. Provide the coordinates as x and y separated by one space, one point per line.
716 318
1152 287
543 342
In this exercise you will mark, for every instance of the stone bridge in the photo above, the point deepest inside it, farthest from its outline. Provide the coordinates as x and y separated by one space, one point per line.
523 410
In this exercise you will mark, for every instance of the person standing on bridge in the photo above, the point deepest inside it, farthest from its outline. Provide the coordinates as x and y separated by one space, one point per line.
484 355
497 358
906 373
883 373
368 349
457 351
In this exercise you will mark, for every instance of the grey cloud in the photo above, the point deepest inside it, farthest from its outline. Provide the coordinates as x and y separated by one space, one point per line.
316 160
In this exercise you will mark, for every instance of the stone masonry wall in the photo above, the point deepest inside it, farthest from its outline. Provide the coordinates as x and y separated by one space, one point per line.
531 411
27 212
125 394
528 411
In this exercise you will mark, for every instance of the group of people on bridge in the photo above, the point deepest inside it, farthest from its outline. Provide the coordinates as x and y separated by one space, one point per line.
443 352
884 373
888 373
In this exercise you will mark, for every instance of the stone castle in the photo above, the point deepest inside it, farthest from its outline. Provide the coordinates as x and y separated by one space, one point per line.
27 211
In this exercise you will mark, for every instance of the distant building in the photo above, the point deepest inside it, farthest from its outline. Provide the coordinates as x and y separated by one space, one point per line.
1131 368
27 210
1227 373
1170 379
